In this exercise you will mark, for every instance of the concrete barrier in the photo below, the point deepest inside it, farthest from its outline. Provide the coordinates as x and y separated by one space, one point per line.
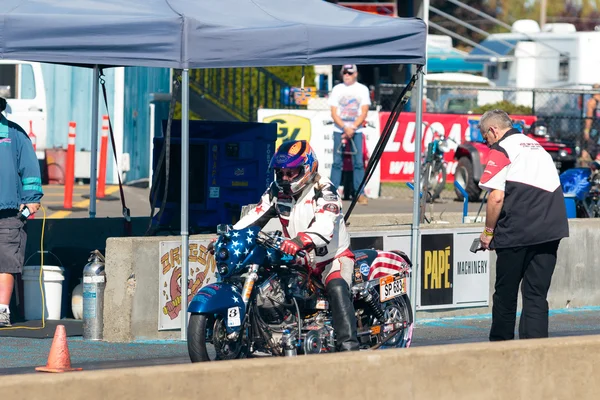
131 298
556 368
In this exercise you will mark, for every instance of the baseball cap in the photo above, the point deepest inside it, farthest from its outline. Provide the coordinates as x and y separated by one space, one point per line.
350 68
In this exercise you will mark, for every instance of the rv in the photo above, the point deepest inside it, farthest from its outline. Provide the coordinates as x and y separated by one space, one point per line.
557 56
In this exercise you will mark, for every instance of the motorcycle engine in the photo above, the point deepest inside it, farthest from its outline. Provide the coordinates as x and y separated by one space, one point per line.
318 341
270 300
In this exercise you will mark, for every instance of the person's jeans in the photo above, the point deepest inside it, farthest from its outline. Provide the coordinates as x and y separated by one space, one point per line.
534 266
357 161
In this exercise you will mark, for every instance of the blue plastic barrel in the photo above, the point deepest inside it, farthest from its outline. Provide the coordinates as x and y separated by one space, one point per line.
571 205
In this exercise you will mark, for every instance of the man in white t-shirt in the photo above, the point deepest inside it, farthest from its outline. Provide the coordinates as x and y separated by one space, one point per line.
349 103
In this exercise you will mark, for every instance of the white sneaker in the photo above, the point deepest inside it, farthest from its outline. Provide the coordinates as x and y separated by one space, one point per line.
4 319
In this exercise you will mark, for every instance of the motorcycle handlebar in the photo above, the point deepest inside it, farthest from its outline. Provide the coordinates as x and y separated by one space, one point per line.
274 242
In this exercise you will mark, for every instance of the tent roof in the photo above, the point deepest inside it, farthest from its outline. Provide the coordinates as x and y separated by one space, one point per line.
205 34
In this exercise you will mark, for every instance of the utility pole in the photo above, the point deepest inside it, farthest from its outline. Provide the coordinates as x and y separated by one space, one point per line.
543 13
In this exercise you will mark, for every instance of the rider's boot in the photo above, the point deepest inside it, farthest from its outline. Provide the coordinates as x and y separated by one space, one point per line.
344 320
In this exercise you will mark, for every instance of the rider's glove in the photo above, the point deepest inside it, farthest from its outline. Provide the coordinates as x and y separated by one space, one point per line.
300 242
211 246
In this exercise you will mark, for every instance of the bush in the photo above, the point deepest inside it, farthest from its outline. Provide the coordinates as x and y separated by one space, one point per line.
504 105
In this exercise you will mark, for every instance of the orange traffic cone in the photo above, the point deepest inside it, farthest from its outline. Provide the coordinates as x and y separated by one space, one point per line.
59 359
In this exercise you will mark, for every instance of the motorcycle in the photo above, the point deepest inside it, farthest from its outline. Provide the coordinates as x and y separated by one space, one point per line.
433 170
265 301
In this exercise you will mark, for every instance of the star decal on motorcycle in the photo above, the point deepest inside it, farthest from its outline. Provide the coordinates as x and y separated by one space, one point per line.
237 252
270 254
246 251
235 234
235 243
235 299
238 265
249 239
250 232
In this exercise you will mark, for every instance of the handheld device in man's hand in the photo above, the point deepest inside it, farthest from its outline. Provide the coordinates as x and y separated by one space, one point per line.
476 245
24 214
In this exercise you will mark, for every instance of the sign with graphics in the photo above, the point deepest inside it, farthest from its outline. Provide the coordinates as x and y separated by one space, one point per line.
316 126
201 273
398 158
450 275
437 269
472 271
290 127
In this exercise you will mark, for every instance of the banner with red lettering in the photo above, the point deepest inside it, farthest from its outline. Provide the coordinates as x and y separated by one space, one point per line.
397 161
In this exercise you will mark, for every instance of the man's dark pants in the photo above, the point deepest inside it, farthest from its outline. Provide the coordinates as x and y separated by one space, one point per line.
534 265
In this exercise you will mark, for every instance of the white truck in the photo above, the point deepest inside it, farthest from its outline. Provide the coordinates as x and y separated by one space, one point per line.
22 85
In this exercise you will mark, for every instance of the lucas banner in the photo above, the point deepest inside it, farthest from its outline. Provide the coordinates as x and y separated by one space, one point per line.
398 158
450 275
316 126
201 273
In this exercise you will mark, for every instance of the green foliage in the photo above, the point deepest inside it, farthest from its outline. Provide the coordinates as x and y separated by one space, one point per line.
177 113
293 75
509 107
242 91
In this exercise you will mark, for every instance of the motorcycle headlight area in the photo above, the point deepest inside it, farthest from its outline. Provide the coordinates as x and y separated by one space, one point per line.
222 254
222 268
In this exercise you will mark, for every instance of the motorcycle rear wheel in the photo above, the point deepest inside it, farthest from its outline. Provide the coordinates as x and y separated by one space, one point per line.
198 340
396 310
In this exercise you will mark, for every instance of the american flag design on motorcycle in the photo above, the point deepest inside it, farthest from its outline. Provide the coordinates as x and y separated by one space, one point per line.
381 263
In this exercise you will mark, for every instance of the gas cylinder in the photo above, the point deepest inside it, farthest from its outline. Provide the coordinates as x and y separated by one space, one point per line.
94 283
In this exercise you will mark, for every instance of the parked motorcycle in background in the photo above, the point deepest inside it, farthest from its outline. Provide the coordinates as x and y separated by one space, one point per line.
266 302
434 168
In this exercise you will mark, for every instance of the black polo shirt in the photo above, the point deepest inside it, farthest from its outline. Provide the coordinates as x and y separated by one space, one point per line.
534 208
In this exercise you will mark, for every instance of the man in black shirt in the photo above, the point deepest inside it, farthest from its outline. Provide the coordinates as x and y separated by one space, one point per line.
526 219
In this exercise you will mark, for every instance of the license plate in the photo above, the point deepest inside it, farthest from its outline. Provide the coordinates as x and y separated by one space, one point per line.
391 286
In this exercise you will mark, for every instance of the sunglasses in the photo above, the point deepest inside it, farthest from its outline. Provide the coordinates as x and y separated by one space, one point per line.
348 72
290 173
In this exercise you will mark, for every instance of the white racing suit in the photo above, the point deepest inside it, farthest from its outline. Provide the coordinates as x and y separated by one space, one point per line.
317 212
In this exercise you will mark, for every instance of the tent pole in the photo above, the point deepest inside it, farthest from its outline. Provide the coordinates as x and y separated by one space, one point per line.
185 238
94 147
414 253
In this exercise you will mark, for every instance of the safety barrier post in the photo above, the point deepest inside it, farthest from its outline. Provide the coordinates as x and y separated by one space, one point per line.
465 200
32 135
69 174
103 153
70 168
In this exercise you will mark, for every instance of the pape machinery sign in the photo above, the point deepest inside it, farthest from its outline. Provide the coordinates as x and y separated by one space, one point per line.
451 276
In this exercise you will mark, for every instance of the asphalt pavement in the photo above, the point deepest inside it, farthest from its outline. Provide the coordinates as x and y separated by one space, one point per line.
22 355
394 200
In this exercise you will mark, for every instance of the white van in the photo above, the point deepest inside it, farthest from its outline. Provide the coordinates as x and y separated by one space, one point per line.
22 85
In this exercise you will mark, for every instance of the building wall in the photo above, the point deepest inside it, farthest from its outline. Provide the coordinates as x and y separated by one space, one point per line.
69 98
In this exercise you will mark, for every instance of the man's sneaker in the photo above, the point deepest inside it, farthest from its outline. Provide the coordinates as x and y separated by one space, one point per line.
4 319
362 199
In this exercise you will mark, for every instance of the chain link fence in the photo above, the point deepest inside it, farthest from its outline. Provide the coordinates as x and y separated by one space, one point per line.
562 111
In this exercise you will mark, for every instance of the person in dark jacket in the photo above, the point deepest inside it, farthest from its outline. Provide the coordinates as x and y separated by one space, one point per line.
526 219
20 194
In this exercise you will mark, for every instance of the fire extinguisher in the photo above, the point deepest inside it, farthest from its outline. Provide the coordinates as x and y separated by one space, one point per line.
32 135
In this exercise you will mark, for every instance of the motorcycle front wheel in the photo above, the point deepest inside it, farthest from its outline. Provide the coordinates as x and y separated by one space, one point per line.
207 340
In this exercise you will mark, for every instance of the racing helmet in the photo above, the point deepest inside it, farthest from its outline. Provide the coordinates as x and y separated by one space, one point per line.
294 154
